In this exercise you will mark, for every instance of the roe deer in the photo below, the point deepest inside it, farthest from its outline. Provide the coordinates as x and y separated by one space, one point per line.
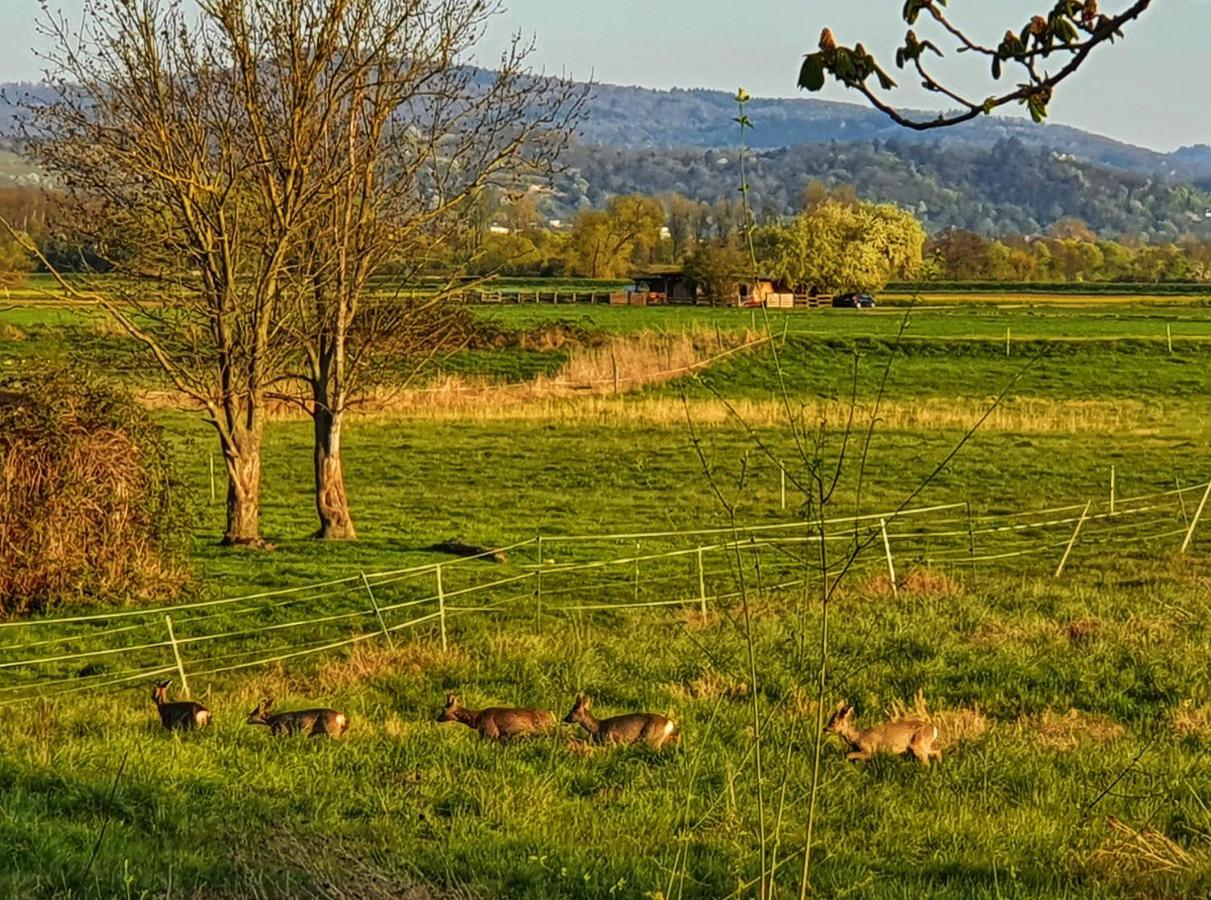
915 736
497 723
313 722
179 715
633 728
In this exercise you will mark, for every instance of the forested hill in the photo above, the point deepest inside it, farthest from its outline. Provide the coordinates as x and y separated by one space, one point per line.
997 175
636 118
1009 187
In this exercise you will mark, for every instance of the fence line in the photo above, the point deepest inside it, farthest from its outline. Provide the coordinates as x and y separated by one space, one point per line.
662 577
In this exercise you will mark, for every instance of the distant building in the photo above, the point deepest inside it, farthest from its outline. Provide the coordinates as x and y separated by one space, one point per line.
673 285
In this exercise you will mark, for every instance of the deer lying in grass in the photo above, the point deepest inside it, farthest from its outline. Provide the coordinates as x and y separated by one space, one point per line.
632 728
313 722
179 715
497 723
898 737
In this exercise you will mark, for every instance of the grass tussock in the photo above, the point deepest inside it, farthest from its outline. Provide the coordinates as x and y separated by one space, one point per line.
709 686
1071 730
1143 858
922 582
1191 720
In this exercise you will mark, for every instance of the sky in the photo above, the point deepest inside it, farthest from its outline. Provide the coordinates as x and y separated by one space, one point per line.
1150 90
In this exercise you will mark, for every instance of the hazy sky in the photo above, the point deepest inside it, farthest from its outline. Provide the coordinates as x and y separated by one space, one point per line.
1151 89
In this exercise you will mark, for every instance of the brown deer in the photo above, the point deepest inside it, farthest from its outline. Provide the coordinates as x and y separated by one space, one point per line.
900 736
313 722
632 728
179 715
497 723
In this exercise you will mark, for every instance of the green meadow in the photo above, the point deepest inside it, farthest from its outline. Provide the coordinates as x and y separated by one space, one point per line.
1074 712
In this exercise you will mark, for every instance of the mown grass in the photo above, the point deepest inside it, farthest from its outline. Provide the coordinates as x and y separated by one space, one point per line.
405 807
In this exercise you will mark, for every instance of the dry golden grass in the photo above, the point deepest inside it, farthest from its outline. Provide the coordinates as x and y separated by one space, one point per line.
710 685
955 726
1070 730
919 581
1143 858
1191 719
372 659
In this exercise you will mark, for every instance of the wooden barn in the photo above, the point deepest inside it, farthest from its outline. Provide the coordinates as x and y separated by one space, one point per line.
672 285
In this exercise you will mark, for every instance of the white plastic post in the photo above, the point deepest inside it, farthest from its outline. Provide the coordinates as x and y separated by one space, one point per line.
1198 514
378 613
701 584
176 652
891 566
1059 570
441 606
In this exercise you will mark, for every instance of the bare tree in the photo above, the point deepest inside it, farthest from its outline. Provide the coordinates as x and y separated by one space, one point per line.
403 138
1069 33
254 165
161 140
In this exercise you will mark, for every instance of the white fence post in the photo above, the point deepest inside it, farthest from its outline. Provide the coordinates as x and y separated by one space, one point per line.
538 589
378 613
1198 514
891 566
701 584
176 652
1059 570
441 606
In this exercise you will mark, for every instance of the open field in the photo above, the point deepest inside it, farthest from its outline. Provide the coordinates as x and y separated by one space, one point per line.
1075 712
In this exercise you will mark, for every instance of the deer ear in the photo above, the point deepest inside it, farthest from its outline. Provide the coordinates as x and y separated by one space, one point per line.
841 704
451 699
587 701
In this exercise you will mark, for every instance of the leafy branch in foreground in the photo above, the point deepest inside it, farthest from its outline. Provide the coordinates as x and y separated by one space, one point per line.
1070 31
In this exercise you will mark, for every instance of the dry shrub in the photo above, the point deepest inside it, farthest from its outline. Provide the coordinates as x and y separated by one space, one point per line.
1140 857
955 726
88 507
11 333
1068 731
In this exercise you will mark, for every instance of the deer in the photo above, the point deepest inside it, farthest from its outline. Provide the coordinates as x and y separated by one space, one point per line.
900 736
313 722
497 723
178 715
632 728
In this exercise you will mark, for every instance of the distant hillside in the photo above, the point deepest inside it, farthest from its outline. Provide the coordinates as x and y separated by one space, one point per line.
1010 187
996 175
635 117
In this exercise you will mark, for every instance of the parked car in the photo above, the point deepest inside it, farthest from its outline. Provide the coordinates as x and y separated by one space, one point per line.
854 300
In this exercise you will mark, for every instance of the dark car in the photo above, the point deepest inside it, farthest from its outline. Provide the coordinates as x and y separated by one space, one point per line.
854 300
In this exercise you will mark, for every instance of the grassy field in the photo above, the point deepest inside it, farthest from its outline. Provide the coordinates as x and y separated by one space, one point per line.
1075 712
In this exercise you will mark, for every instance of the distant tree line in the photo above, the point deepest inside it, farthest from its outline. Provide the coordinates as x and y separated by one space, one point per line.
834 240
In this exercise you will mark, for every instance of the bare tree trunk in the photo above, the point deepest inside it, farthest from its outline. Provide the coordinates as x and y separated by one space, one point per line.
331 503
243 493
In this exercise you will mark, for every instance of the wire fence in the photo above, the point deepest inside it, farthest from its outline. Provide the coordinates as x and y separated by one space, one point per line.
549 577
